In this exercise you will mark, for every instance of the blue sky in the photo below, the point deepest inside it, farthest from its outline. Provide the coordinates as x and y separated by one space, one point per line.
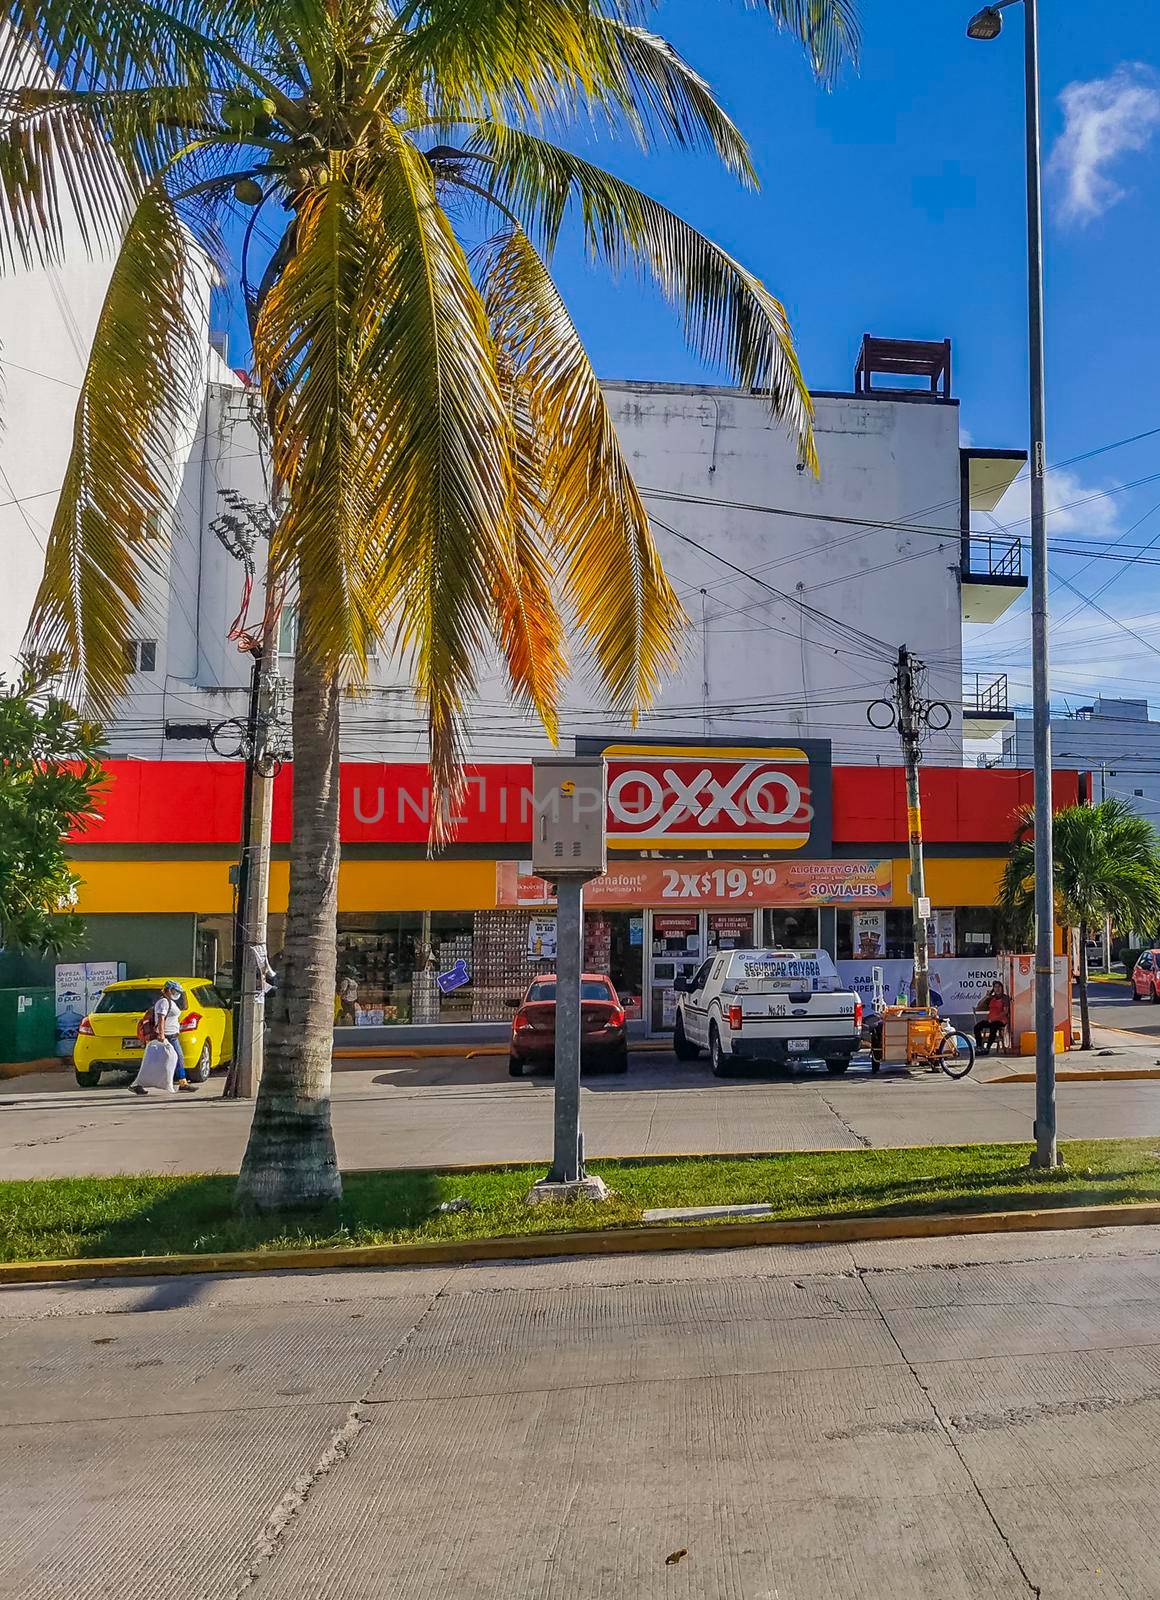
894 203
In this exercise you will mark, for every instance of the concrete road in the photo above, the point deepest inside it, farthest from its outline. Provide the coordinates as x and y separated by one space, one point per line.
1112 1007
429 1113
975 1419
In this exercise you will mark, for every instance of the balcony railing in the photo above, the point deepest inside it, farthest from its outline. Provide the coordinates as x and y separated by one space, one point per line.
986 557
985 697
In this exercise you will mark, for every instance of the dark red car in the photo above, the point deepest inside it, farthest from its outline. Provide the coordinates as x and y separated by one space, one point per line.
603 1035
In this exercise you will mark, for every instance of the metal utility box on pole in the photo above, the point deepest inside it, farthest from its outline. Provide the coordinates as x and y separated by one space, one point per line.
568 847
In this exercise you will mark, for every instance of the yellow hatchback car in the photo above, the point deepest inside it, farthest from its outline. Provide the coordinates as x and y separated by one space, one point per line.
107 1038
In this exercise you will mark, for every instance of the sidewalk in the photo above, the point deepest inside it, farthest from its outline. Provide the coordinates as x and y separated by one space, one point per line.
1115 1053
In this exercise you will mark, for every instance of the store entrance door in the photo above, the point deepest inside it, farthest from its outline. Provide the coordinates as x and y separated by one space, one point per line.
678 942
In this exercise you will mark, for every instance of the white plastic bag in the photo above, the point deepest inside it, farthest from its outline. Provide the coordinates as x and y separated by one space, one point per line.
158 1065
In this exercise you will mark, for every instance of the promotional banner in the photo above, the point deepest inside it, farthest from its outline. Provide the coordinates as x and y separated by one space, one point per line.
956 985
714 883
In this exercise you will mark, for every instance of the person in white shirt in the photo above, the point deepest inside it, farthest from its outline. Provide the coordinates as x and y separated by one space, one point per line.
167 1025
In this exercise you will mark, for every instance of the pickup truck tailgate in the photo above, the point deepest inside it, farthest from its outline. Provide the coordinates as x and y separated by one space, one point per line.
780 1016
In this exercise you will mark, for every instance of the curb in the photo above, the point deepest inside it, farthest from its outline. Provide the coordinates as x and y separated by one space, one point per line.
455 1052
1124 1074
606 1242
24 1069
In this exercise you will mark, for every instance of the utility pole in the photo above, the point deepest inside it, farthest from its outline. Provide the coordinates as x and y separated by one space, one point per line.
988 24
239 529
914 716
909 713
250 917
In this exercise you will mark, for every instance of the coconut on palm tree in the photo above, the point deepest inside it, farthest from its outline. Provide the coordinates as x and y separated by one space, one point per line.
1107 864
449 477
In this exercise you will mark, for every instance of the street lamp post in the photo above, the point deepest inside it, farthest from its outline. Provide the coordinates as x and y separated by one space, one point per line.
987 24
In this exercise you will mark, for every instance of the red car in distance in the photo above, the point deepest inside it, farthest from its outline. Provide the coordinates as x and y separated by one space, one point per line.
603 1035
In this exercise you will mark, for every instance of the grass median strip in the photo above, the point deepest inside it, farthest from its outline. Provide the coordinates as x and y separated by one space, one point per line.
81 1218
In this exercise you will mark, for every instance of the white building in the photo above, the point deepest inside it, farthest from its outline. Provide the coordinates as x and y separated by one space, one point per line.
1114 740
799 591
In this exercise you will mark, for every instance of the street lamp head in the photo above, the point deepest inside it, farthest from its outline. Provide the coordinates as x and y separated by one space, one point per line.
986 24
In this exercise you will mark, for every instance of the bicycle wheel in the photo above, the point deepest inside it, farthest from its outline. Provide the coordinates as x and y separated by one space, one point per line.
956 1054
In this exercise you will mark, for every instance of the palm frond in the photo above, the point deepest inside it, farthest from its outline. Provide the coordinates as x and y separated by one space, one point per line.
731 320
327 427
391 437
827 28
491 57
120 482
447 483
657 87
1106 862
529 628
624 606
85 155
109 44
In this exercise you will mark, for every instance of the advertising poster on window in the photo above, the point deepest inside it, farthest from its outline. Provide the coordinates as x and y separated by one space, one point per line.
542 938
869 934
942 933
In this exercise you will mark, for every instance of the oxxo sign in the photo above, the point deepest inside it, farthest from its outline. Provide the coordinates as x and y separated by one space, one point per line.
709 797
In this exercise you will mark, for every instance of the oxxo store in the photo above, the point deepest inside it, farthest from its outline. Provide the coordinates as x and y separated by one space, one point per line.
711 846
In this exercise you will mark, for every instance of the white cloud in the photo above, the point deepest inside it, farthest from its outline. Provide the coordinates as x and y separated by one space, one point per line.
1073 506
1104 119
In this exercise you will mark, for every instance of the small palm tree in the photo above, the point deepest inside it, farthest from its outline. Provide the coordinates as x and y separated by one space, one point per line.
448 477
1107 864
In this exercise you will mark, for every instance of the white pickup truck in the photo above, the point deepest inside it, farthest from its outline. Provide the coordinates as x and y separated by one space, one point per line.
767 1005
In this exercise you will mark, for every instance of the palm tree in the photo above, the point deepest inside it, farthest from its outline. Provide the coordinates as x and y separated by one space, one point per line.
448 475
1107 864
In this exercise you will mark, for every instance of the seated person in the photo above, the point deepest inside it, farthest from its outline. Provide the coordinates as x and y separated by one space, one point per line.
995 1007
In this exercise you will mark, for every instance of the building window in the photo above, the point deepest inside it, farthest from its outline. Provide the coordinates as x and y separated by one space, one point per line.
791 930
287 631
288 635
141 655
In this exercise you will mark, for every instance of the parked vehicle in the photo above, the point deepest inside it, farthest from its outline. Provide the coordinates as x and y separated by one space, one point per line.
767 1005
107 1039
1146 977
603 1035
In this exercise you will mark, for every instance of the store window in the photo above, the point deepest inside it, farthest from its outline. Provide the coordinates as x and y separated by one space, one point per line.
795 929
729 930
975 931
405 966
614 943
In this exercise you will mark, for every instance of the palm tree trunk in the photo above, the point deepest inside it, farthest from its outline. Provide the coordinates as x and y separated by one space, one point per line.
290 1162
1085 1025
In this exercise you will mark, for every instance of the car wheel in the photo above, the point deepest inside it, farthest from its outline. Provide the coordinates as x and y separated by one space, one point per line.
1155 995
88 1080
515 1067
1135 992
716 1055
683 1047
200 1073
837 1064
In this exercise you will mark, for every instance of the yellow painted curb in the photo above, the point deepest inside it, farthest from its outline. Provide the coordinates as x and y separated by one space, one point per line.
610 1241
23 1069
1126 1074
